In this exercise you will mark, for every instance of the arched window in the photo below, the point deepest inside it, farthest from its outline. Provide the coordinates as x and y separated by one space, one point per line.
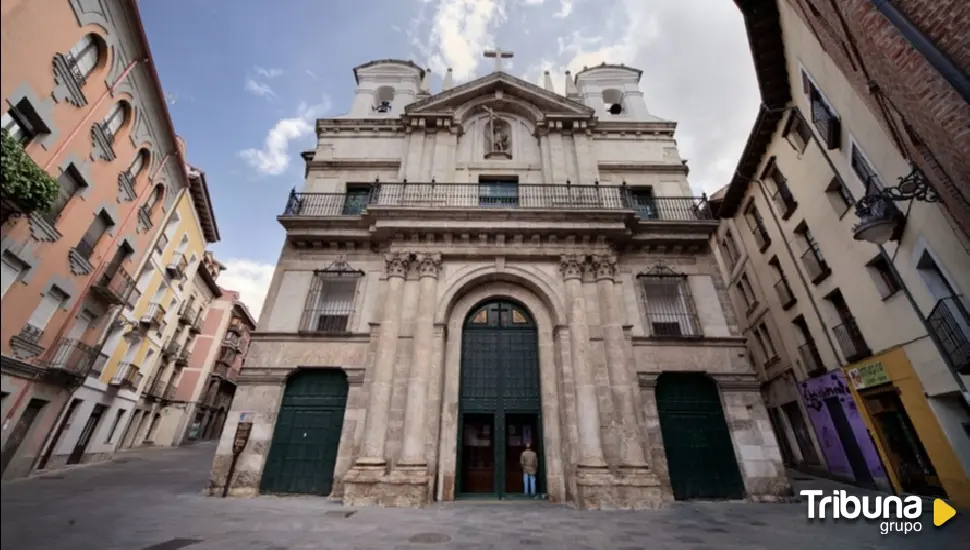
613 101
156 197
384 99
138 163
115 119
84 56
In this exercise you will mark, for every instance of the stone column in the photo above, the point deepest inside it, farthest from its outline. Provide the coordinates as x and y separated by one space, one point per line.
413 454
587 405
631 451
379 398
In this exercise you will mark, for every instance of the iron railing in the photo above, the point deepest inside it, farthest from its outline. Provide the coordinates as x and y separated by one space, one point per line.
128 376
669 307
815 265
73 357
157 387
155 315
183 358
196 326
145 216
951 323
811 359
232 340
178 265
482 195
221 370
187 312
170 350
227 356
115 287
170 388
851 341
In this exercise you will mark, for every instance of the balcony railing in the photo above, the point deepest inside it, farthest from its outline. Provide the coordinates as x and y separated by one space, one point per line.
187 312
115 287
227 356
170 388
850 340
477 196
221 370
128 376
784 292
73 357
811 359
157 388
196 326
183 358
232 340
178 265
144 218
170 350
155 316
951 323
815 265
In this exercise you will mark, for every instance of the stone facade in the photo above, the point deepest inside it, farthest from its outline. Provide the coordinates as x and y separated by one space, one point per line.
615 207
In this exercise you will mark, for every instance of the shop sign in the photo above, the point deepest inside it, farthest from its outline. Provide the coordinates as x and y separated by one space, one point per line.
868 376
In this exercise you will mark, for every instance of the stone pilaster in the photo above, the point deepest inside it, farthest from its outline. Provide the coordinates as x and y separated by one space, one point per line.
410 474
362 483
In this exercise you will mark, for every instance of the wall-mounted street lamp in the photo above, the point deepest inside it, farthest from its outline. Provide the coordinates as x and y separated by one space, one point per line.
879 219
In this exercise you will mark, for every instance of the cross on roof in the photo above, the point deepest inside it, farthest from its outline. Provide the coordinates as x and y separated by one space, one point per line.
498 54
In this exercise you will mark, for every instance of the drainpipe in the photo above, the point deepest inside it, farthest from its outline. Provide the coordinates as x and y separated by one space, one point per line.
939 60
87 117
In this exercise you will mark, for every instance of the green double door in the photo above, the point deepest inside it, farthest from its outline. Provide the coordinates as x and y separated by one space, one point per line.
499 401
700 455
304 449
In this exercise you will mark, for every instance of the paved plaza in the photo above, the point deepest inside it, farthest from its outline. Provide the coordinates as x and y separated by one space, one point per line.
149 499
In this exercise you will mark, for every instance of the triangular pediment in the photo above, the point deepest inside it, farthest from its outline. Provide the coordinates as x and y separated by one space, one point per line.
549 103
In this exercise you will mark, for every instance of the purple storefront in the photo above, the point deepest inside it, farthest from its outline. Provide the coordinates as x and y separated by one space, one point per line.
842 435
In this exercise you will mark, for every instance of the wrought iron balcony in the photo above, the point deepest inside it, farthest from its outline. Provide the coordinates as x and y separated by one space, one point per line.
170 388
196 326
144 218
811 359
232 340
128 376
481 196
178 265
170 351
785 295
187 312
227 356
851 341
73 357
154 317
235 327
815 265
157 388
183 358
115 287
951 323
221 370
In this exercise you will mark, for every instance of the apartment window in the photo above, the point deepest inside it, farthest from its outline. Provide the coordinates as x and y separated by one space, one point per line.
767 344
114 425
847 332
500 192
839 195
668 303
53 299
70 183
97 229
13 269
730 248
864 170
757 226
137 164
747 292
83 57
115 119
814 263
824 117
781 194
807 350
782 288
23 123
797 131
882 275
330 302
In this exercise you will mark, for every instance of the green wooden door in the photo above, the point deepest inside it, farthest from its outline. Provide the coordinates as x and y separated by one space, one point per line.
700 456
499 396
304 449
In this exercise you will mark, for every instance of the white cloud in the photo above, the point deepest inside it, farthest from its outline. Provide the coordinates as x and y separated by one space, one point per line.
459 34
312 74
565 9
274 157
251 279
261 89
268 73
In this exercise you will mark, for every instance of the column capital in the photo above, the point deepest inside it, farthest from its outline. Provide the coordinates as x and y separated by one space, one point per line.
571 266
603 266
396 264
428 265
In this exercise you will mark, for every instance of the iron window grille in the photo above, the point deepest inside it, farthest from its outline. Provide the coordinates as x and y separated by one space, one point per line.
330 302
668 303
757 226
826 121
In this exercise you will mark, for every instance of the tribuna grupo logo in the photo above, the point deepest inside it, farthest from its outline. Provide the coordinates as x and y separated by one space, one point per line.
898 515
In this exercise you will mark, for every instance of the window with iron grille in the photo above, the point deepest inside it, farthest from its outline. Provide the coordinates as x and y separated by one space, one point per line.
864 171
668 303
330 302
839 195
757 226
781 194
824 117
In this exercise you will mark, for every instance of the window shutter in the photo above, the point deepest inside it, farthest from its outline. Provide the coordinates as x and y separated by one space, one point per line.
308 320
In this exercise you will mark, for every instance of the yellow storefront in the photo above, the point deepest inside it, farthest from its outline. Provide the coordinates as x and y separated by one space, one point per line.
916 452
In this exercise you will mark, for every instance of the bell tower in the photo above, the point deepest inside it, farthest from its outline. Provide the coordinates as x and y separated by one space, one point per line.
614 91
384 87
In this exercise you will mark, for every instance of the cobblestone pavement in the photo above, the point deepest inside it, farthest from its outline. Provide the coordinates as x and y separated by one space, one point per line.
150 500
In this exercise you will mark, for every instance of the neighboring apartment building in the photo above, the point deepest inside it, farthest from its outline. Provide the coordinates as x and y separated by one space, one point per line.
490 266
858 327
205 390
81 95
139 341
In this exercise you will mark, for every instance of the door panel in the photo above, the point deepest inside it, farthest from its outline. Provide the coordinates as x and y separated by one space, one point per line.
478 453
20 432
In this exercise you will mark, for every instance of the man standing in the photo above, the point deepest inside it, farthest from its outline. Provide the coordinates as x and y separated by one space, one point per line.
530 465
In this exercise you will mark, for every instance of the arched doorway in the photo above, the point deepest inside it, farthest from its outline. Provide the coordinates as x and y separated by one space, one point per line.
304 448
700 456
499 403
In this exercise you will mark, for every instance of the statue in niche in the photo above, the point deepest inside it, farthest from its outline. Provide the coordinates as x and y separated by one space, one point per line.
498 137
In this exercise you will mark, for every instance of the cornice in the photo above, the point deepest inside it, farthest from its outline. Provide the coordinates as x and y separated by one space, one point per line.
367 163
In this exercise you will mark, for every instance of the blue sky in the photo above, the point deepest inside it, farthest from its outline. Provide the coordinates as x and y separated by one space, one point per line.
245 80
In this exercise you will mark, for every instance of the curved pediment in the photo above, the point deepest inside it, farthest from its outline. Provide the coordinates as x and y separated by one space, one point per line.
499 85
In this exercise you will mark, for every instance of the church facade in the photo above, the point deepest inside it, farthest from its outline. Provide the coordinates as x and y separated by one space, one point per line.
488 267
